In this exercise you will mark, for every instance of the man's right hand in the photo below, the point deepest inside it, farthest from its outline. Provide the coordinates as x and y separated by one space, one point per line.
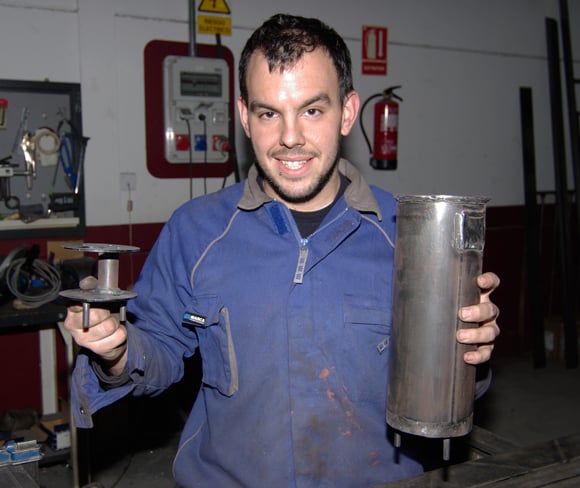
105 336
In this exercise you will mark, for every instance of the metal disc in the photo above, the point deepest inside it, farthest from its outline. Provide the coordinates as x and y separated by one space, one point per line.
98 295
100 248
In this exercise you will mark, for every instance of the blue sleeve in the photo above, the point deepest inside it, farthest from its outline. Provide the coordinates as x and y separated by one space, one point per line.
157 342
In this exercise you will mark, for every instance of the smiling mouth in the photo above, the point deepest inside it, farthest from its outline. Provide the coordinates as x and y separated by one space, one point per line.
293 165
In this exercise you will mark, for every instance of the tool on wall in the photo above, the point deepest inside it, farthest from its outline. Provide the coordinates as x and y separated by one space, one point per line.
107 289
71 156
24 141
28 147
385 129
11 201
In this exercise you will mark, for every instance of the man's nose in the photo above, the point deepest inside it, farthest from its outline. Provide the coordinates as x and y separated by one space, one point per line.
292 134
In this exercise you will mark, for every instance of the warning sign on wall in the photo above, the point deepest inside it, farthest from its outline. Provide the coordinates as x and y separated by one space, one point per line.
211 24
214 6
374 50
214 24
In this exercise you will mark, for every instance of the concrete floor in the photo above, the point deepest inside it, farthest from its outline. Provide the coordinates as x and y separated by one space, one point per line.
524 405
528 405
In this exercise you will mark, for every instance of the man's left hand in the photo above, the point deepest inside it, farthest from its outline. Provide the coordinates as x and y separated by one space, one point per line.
485 313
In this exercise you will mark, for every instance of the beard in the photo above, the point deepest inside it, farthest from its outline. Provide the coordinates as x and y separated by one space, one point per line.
308 193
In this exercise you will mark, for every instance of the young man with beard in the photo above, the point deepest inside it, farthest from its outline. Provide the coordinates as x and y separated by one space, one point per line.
283 283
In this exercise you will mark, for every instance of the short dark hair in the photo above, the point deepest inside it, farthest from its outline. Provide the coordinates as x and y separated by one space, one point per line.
283 39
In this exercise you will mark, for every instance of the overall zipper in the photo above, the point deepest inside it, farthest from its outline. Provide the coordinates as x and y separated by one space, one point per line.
303 253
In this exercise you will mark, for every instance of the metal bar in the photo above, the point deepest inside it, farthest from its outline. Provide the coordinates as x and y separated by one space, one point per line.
572 106
562 203
533 271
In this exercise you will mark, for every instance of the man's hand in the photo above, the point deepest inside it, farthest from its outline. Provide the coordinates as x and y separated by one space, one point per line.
485 313
106 336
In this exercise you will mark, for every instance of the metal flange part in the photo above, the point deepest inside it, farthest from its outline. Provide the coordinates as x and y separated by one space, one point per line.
100 248
107 289
97 295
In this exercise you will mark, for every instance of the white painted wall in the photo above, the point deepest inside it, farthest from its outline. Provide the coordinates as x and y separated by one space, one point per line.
460 62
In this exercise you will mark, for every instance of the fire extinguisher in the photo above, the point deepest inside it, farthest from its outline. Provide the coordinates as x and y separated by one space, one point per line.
386 128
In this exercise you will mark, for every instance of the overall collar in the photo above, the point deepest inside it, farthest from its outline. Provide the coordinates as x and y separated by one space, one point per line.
357 194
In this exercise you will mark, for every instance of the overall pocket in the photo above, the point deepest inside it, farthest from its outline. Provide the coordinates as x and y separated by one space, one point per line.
367 333
208 317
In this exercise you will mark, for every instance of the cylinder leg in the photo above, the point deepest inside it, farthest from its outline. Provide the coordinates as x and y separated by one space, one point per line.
86 315
446 449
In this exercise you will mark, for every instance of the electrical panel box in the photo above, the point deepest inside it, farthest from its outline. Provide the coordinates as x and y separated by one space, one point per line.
196 109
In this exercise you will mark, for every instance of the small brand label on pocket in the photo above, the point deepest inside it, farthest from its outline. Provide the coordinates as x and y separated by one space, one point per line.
194 318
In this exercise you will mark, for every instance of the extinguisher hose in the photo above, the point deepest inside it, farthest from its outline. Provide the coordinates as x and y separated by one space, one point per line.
366 102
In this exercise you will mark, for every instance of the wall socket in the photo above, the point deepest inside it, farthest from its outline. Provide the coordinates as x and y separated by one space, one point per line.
128 181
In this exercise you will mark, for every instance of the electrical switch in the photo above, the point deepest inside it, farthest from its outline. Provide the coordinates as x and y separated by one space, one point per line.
181 142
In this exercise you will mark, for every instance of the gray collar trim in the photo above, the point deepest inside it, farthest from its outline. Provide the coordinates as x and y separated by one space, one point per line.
358 193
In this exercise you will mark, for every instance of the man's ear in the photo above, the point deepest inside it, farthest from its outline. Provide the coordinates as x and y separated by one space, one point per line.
243 111
350 109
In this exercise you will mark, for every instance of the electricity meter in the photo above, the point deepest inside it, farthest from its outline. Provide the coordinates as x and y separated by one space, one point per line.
196 109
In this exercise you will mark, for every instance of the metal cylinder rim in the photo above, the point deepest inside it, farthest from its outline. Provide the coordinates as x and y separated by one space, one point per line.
457 199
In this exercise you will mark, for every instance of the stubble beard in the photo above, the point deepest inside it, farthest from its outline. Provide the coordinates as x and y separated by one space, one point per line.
308 194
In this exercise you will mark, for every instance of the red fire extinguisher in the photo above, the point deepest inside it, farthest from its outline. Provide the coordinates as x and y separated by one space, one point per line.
386 128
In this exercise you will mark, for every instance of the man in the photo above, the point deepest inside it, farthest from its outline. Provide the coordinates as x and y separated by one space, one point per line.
283 283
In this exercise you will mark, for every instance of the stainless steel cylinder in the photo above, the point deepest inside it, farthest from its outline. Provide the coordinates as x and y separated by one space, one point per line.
108 273
438 256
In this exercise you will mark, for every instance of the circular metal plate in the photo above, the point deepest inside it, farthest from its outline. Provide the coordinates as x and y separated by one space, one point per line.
101 248
98 295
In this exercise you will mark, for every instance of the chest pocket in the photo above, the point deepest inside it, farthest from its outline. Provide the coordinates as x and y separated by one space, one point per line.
209 319
367 333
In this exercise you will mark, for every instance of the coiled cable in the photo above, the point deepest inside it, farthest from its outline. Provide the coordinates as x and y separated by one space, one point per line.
41 279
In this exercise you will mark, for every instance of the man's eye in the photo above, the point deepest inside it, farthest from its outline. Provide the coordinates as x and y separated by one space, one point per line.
267 115
312 112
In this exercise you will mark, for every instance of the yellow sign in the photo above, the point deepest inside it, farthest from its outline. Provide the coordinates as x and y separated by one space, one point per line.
210 24
214 7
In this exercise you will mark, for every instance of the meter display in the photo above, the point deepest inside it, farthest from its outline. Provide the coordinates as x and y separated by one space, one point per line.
200 84
196 109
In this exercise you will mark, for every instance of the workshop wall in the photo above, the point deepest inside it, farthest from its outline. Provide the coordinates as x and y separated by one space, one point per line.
460 65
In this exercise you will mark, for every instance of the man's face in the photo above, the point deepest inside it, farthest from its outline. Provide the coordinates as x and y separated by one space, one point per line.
295 120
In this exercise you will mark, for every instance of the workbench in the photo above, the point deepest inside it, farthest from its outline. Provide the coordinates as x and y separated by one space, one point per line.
49 313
